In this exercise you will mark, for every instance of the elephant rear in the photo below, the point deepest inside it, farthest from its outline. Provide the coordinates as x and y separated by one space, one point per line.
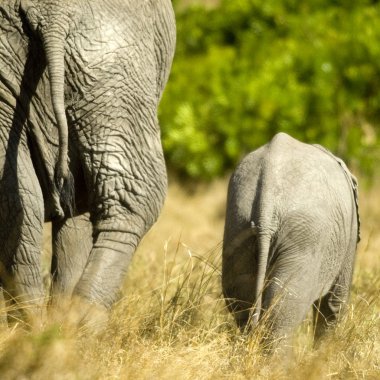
301 201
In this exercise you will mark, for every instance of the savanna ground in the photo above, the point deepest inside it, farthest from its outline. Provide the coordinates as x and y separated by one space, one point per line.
172 323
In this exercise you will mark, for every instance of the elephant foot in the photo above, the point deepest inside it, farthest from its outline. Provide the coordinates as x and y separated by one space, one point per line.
77 314
91 317
29 318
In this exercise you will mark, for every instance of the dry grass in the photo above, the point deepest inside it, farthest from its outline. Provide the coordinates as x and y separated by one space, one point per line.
171 321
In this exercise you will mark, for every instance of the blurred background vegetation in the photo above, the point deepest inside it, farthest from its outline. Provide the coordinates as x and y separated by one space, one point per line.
245 69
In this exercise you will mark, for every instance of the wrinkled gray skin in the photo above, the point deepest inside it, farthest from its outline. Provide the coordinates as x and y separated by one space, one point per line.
290 237
80 82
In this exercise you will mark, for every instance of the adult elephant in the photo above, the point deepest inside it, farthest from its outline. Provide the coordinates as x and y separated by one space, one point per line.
290 237
80 82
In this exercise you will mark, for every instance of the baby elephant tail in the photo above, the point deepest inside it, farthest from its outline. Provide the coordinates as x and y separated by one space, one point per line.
263 242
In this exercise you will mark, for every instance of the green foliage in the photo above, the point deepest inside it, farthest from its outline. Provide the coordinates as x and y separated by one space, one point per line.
247 69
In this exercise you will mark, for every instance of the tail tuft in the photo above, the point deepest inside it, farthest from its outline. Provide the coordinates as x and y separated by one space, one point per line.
66 191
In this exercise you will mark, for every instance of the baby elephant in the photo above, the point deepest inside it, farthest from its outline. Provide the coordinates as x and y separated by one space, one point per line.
290 237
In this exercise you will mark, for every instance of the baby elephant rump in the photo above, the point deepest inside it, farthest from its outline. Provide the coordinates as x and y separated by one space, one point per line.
290 237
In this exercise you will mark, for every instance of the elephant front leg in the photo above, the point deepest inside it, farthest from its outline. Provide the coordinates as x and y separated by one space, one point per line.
72 244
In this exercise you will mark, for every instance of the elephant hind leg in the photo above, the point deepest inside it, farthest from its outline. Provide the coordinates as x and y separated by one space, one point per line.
21 221
126 178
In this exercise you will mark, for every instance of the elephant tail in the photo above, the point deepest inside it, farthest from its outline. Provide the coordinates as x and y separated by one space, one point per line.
55 56
53 30
264 240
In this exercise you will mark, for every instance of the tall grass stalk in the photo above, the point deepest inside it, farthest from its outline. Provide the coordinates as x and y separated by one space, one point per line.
171 321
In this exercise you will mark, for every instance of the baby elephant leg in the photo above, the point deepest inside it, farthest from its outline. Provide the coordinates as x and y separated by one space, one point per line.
328 308
286 302
238 281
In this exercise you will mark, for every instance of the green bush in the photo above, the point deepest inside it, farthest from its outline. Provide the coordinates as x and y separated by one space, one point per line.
247 69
